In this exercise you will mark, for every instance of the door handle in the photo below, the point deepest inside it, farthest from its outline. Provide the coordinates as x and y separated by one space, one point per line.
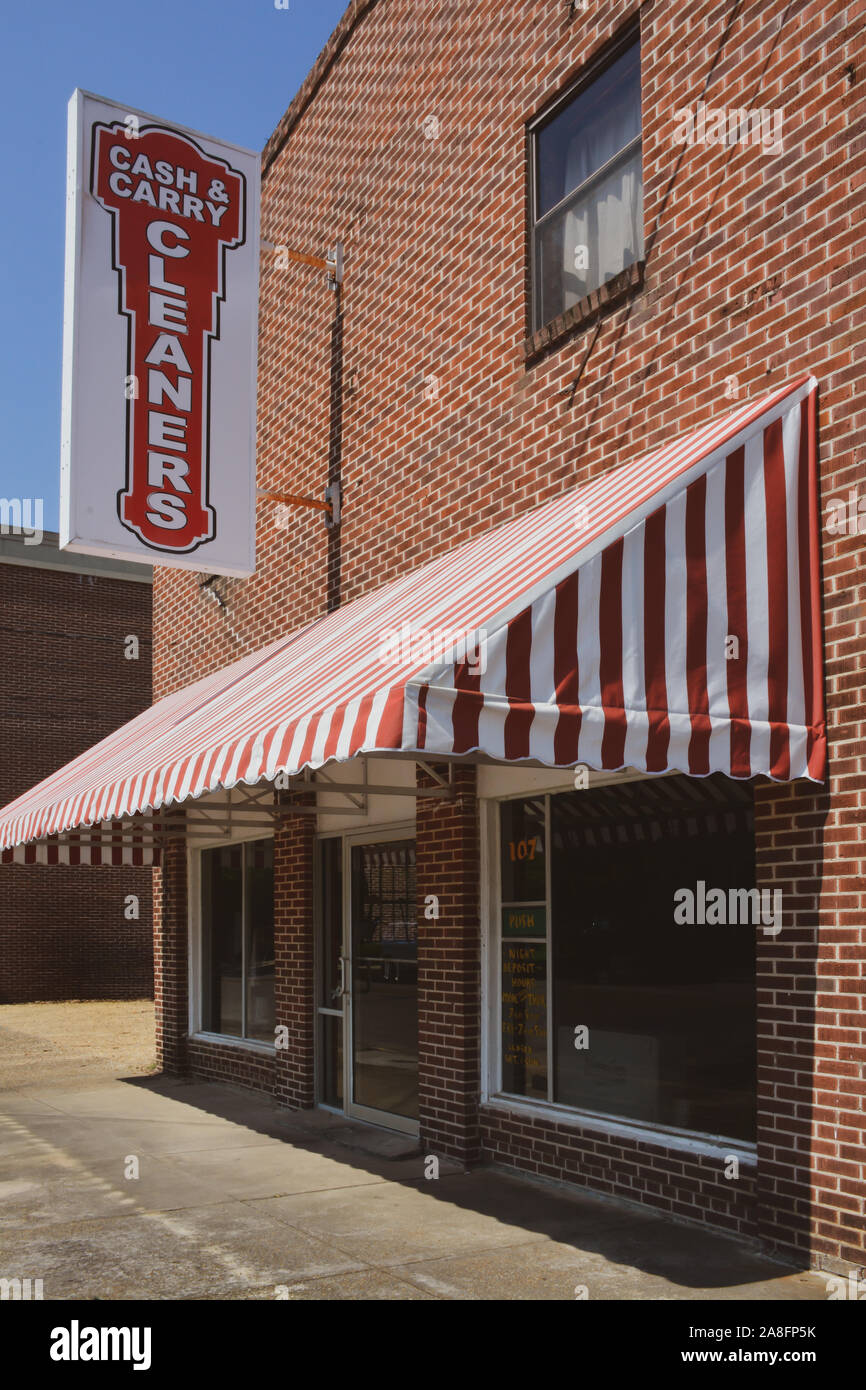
340 992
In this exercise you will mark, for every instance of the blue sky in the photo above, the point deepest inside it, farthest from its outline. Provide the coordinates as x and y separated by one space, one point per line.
225 67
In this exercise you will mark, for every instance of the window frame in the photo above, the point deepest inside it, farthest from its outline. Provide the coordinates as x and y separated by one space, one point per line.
196 937
574 87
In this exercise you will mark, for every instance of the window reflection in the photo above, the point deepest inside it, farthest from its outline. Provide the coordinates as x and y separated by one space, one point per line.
588 215
646 1018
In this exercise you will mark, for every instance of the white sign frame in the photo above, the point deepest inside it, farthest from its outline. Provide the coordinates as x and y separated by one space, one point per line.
98 336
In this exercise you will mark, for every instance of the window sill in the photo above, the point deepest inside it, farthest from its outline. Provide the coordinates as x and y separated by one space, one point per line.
608 296
710 1146
230 1040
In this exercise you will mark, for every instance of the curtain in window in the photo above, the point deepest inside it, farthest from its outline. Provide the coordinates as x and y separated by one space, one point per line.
603 232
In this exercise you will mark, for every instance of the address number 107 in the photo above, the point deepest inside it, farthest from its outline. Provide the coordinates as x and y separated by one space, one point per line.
524 849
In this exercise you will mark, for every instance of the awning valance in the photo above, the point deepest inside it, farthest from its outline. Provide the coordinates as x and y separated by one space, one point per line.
664 616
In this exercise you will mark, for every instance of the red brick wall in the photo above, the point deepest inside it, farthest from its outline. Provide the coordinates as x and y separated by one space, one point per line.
449 968
755 272
233 1066
294 1071
171 958
688 1185
811 1074
66 684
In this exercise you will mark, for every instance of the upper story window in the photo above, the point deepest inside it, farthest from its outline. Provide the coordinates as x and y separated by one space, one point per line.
587 195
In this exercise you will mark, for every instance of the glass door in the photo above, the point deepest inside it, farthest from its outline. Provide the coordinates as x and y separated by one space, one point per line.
383 993
367 979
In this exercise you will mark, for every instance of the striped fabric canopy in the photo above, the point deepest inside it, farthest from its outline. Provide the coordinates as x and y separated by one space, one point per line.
664 616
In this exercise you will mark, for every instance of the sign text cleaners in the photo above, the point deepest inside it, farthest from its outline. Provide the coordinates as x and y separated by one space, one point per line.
169 216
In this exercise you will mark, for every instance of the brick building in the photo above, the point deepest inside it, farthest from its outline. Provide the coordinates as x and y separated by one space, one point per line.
575 236
65 934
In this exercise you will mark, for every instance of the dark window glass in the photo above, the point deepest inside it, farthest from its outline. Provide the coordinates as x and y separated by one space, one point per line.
238 940
331 944
330 975
385 977
222 939
524 1018
669 1008
523 878
331 1060
588 214
522 851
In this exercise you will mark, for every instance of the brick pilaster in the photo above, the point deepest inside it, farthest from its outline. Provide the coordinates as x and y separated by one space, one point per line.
171 959
809 983
293 948
449 969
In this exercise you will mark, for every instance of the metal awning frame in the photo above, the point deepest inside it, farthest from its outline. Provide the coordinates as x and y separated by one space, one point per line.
261 807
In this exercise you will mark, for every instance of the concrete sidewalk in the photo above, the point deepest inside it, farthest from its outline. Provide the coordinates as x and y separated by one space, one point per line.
235 1199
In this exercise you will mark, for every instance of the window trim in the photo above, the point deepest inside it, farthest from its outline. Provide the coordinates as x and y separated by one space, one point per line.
195 937
588 73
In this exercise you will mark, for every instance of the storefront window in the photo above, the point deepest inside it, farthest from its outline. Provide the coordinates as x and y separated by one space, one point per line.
237 883
647 1016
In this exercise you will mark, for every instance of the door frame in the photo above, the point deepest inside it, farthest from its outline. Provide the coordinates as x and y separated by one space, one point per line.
370 835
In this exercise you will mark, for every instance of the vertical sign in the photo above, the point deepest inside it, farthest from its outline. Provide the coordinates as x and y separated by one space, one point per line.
160 325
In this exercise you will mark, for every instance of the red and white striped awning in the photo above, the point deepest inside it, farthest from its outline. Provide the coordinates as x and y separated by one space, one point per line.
664 616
